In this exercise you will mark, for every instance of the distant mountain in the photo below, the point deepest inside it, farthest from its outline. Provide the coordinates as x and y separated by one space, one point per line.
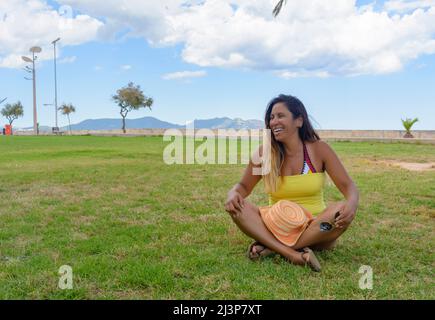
227 123
110 124
154 123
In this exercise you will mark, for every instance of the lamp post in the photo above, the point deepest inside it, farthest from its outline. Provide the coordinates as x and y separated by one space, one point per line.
33 50
55 85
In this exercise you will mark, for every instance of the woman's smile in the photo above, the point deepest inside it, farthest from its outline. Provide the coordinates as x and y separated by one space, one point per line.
278 130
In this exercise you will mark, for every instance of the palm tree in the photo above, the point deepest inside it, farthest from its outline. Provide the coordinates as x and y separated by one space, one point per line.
66 110
408 123
278 7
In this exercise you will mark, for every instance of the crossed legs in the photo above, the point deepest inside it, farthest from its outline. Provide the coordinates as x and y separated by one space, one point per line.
249 222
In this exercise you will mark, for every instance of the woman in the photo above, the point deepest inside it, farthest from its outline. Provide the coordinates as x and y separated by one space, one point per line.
299 160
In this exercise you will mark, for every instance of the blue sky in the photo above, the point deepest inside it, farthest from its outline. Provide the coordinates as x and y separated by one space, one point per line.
338 101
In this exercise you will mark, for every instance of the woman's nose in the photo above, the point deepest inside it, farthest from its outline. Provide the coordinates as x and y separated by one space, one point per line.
272 122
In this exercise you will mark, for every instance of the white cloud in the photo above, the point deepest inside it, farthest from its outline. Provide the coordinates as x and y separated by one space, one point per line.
301 74
26 23
71 59
184 75
309 37
407 5
126 67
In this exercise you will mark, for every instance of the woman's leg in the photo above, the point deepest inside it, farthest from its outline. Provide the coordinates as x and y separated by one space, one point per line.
249 222
324 246
317 239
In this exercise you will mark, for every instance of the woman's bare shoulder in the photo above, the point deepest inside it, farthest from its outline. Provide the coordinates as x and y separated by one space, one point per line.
321 150
320 146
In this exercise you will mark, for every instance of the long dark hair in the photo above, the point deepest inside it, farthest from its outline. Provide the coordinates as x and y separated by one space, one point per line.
306 133
297 108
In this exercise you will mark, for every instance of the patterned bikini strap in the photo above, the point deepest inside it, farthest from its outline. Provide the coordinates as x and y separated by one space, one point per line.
307 159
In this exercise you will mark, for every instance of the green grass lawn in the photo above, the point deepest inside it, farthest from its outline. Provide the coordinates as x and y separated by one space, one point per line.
132 227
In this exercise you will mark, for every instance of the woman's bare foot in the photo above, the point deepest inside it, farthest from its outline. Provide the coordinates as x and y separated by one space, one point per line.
309 258
257 251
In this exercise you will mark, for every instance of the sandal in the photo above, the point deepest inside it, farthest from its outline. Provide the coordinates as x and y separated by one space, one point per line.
258 254
312 261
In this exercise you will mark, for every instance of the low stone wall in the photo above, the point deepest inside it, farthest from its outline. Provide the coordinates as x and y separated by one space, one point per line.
380 134
355 135
385 136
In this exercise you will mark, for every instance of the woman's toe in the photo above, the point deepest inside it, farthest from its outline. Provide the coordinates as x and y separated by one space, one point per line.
259 248
253 253
266 252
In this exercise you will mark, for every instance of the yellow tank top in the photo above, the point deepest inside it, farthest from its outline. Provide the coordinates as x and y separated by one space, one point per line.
304 189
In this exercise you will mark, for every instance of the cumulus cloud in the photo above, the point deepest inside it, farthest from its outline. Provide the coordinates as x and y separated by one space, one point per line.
184 75
407 5
27 23
309 37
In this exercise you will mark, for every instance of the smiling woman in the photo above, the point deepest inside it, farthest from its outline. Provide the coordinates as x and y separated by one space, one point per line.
296 210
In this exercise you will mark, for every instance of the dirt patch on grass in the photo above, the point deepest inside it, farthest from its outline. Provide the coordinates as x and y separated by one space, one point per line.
411 166
423 211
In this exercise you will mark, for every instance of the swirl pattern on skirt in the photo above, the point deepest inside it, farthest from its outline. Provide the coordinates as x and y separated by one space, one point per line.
286 220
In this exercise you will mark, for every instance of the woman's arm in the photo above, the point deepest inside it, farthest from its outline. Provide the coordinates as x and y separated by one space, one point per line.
344 183
243 188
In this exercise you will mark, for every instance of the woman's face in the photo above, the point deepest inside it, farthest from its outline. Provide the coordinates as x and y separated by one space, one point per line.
282 123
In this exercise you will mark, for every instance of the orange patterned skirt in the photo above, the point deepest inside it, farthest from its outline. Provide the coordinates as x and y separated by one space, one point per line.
286 220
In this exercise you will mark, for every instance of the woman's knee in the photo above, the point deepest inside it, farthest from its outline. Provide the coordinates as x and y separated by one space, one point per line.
248 212
330 213
333 211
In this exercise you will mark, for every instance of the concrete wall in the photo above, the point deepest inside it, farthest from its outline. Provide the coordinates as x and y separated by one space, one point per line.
381 134
325 134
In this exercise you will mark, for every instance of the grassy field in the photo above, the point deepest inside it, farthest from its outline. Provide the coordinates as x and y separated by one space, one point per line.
132 227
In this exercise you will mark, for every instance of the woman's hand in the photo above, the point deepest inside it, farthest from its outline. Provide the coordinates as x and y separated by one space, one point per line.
234 203
347 212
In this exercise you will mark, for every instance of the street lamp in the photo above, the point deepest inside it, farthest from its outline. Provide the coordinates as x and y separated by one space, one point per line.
56 128
33 50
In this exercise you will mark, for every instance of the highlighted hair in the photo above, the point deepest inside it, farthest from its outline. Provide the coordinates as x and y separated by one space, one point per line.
277 151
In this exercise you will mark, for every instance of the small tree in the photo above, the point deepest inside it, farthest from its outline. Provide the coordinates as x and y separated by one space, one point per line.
12 111
408 123
66 110
278 7
131 98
